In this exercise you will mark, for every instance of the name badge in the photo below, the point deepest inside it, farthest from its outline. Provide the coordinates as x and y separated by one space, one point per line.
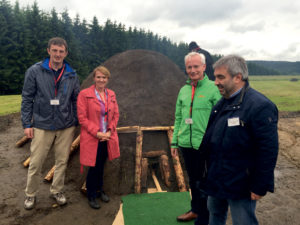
54 102
233 121
188 121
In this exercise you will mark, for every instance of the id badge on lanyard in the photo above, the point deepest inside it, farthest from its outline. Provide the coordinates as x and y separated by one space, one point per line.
55 101
189 120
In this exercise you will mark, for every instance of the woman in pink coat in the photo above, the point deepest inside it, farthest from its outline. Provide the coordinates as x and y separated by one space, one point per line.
98 115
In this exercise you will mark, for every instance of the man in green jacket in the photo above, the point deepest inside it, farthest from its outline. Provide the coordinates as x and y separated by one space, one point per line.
194 103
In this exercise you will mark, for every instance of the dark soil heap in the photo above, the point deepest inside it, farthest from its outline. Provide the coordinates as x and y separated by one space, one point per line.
146 84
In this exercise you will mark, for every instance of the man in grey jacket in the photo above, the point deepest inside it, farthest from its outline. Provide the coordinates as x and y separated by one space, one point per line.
49 117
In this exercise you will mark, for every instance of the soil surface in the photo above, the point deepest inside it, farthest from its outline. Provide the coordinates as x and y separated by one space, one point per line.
146 84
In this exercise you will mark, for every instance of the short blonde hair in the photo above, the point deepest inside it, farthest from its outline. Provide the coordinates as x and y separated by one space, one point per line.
103 70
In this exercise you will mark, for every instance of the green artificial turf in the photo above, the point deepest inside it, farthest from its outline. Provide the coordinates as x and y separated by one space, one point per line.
155 209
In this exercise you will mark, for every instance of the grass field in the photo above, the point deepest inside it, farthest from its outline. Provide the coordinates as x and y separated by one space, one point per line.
280 89
9 104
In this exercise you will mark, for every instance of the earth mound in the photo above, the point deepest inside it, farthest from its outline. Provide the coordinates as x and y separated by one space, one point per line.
146 84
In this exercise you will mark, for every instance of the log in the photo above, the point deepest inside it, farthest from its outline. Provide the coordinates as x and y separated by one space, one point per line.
50 174
132 129
165 169
83 188
144 172
26 162
157 128
177 167
138 161
75 144
152 154
157 185
22 141
129 129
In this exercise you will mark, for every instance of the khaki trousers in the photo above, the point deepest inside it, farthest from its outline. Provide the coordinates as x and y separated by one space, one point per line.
43 140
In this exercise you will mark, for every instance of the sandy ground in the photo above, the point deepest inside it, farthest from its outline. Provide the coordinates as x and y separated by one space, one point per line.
280 208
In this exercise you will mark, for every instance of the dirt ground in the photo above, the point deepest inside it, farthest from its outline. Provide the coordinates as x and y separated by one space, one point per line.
279 208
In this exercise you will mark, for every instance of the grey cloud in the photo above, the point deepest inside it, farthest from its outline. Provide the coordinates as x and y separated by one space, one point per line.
290 53
242 28
188 13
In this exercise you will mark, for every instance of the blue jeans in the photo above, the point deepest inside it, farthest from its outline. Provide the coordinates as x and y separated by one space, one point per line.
242 211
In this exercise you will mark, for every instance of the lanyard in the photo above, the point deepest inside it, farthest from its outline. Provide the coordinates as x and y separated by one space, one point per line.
193 93
105 103
56 80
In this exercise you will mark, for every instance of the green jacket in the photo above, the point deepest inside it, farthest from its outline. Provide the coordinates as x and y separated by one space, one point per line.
205 97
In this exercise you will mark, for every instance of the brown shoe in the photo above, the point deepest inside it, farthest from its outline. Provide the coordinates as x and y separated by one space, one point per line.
188 216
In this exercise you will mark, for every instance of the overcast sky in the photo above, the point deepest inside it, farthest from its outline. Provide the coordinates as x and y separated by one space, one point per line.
255 29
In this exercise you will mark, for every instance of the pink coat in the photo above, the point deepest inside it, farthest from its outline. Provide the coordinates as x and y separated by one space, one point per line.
88 110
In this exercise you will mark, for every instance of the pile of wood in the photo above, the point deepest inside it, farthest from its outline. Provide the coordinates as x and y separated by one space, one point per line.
141 160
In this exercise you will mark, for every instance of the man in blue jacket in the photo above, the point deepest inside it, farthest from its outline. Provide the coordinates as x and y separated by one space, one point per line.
49 117
241 141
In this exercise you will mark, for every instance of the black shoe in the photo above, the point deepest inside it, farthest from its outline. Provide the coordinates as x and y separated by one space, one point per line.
93 203
104 197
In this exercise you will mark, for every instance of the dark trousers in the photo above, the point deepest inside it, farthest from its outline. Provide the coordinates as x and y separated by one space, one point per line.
94 179
194 165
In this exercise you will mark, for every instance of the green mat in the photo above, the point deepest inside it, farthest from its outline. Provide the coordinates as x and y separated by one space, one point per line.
155 209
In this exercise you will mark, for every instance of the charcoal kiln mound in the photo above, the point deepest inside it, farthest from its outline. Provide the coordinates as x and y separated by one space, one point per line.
146 84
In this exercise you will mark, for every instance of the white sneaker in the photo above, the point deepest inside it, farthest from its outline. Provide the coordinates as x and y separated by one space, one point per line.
60 198
29 203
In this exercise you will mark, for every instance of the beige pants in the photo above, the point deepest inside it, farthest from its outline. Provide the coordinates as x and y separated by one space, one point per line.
60 141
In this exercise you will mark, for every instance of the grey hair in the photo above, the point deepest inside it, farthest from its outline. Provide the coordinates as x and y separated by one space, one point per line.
235 65
191 54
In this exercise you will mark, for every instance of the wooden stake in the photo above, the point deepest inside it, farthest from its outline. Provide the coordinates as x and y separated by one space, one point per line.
177 167
22 141
144 172
152 154
138 161
165 169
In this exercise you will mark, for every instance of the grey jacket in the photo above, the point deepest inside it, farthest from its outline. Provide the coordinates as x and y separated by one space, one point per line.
39 89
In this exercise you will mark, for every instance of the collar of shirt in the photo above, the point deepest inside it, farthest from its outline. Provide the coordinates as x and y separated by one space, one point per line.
236 93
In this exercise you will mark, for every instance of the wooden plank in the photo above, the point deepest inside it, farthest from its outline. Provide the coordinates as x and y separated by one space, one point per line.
119 219
157 185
